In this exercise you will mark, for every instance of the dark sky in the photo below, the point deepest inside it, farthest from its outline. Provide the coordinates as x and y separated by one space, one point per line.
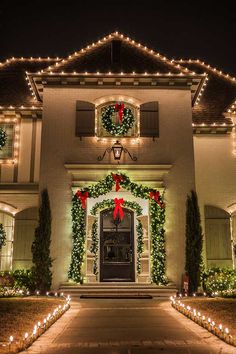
189 29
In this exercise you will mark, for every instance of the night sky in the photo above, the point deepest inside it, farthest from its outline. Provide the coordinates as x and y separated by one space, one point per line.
187 29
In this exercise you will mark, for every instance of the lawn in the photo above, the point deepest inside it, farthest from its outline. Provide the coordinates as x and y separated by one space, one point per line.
19 315
219 310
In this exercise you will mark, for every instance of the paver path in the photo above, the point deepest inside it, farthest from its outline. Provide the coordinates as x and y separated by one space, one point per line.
126 327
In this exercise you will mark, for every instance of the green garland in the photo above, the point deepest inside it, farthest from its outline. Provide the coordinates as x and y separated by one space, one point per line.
79 236
157 219
94 246
117 130
140 244
158 254
108 204
3 236
3 138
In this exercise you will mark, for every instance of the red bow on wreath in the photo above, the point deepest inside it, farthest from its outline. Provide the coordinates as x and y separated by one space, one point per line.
117 179
156 196
83 197
119 107
118 208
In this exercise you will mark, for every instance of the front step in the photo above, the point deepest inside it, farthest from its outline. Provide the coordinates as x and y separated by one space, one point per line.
117 290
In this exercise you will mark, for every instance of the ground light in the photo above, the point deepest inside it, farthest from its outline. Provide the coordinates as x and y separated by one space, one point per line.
40 327
206 322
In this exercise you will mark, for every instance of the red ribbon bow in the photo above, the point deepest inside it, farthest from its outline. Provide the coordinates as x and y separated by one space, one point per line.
119 107
117 179
83 197
118 208
156 196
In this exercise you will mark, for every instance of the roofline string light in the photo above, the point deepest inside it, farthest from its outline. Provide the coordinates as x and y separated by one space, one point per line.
232 108
208 67
213 70
30 59
16 140
109 37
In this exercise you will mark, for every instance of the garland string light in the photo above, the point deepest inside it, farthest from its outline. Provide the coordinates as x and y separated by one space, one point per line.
3 138
109 204
157 218
126 119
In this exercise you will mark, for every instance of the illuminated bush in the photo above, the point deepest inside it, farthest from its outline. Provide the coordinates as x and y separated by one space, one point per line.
218 279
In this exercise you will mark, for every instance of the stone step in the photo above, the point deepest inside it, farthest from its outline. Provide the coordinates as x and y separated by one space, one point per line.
118 290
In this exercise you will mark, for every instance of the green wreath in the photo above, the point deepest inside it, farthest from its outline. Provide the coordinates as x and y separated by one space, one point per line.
113 129
3 138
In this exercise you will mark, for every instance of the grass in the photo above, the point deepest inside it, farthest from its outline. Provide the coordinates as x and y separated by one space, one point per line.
218 309
19 315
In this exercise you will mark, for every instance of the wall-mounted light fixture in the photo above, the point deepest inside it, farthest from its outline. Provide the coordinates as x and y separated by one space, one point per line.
117 149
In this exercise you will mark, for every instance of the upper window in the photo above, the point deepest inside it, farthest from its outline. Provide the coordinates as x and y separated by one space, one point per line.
117 119
7 149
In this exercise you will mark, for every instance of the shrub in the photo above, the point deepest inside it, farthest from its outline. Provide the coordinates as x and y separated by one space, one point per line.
20 279
6 279
231 294
23 278
218 279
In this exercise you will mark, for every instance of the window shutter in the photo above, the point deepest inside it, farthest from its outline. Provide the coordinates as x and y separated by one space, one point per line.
85 118
149 121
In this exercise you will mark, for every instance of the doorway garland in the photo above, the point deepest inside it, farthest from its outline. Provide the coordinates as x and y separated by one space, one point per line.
157 220
108 204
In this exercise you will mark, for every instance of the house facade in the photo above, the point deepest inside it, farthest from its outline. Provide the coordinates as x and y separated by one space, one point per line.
117 115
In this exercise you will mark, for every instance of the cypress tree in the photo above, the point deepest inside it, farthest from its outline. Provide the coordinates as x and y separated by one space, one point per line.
194 240
42 261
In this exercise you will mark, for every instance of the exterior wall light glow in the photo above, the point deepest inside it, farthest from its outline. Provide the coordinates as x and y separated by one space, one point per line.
117 149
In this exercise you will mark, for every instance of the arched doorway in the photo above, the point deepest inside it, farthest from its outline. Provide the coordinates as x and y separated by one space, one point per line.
117 261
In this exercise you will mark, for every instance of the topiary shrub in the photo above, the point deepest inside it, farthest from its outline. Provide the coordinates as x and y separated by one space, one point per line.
194 240
218 279
42 261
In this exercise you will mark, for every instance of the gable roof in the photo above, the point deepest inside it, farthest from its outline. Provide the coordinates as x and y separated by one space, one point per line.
212 104
217 97
14 89
130 57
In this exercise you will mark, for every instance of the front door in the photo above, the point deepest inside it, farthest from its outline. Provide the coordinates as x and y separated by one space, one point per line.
117 247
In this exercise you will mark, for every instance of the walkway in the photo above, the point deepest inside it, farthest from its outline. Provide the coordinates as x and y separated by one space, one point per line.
126 327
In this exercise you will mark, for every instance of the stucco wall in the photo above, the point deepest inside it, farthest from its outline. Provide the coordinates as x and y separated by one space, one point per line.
26 170
215 164
60 146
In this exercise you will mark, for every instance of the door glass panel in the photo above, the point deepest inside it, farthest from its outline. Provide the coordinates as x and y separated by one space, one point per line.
117 247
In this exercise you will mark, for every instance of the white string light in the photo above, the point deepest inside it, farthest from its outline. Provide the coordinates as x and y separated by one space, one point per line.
40 327
200 319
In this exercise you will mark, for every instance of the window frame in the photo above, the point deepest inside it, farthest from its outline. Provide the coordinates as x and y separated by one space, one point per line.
15 140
